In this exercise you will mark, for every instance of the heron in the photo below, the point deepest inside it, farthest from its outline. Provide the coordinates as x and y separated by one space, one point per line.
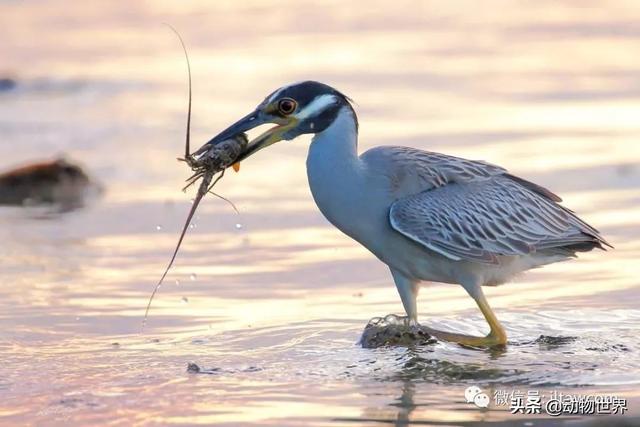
429 217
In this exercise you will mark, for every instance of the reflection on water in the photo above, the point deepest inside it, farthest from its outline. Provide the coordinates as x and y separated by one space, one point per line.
271 311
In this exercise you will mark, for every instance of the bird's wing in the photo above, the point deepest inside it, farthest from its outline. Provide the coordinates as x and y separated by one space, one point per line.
473 210
483 219
411 170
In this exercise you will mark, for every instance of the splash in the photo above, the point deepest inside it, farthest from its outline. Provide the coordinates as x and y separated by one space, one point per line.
393 330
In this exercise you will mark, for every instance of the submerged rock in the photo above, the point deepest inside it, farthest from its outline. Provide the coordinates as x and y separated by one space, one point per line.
53 182
393 330
552 341
193 368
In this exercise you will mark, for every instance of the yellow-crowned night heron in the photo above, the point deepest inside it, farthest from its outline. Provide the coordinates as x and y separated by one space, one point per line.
428 216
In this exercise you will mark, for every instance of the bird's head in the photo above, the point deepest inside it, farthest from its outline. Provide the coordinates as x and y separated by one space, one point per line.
302 108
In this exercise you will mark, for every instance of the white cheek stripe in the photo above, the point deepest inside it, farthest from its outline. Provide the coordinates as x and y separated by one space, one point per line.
317 105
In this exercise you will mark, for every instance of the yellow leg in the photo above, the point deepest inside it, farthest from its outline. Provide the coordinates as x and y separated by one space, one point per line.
497 336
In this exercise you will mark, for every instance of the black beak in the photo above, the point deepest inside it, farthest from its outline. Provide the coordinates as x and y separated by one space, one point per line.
252 121
248 122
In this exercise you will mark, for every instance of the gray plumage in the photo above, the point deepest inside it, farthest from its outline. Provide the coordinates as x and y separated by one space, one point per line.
476 211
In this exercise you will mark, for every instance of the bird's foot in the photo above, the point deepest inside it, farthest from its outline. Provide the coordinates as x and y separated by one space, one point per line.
494 339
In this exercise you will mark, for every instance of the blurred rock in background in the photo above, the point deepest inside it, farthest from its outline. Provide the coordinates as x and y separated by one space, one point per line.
59 182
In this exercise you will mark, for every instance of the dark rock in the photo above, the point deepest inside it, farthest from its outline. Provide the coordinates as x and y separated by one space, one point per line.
394 330
554 342
52 182
192 368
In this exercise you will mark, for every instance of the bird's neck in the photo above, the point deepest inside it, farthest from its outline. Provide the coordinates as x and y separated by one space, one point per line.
338 143
334 169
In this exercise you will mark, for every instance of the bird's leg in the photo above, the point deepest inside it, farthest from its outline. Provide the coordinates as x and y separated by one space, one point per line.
408 290
496 337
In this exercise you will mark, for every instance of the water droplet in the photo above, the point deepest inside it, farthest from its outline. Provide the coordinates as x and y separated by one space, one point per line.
193 200
185 300
238 226
193 276
77 318
158 227
177 282
192 226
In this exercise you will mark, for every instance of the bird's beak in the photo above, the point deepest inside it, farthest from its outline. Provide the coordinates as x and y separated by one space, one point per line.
252 121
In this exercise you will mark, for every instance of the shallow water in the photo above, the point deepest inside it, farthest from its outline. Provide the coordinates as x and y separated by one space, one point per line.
271 311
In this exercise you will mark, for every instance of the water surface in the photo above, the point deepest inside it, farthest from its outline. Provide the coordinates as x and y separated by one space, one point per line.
271 311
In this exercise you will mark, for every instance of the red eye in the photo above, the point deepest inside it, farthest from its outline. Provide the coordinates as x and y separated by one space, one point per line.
287 106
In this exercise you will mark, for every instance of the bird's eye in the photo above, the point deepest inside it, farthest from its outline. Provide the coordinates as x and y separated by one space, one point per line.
287 106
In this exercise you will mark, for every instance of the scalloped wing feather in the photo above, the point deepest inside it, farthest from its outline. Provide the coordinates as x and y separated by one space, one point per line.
486 218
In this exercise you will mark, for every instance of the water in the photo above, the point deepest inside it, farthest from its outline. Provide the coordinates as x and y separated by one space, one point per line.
546 89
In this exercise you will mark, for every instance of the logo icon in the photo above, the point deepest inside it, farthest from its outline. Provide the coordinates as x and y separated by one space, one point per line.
474 394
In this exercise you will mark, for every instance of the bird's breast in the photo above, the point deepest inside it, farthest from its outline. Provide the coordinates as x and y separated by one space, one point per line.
337 193
353 202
